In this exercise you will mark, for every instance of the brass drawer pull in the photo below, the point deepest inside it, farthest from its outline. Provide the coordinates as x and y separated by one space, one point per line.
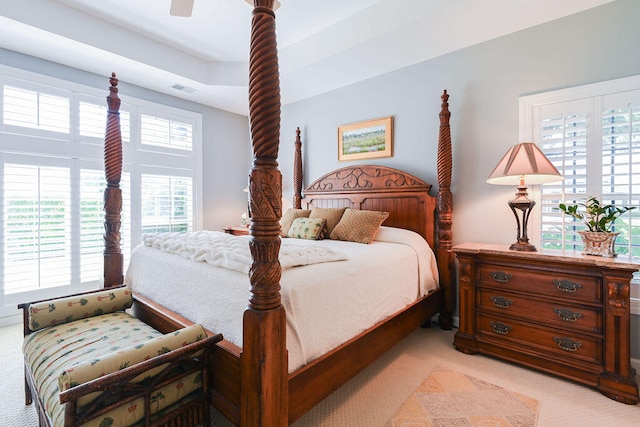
500 276
567 344
500 328
567 285
567 315
500 302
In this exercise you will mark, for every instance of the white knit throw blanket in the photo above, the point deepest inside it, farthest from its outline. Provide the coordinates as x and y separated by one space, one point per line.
232 252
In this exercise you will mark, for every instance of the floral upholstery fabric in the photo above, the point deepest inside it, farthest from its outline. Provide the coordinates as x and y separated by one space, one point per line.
63 310
289 216
307 228
78 351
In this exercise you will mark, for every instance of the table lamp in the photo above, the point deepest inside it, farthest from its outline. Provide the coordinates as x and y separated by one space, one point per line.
523 163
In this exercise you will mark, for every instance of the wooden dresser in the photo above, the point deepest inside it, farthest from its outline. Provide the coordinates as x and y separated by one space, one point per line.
559 312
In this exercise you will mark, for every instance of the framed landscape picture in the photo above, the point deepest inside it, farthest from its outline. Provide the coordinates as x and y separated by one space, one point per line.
370 139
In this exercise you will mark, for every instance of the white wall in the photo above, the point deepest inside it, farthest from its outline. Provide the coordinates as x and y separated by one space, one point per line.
484 82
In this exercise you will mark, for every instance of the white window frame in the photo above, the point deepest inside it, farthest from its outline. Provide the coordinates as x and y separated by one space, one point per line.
529 132
138 159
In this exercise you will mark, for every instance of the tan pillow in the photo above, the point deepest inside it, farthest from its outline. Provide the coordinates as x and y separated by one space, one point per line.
358 226
289 216
307 228
331 215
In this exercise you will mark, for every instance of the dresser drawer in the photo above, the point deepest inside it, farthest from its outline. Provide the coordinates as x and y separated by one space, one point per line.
551 284
551 313
520 334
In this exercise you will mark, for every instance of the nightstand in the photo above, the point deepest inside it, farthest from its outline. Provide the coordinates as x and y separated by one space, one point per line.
237 231
560 312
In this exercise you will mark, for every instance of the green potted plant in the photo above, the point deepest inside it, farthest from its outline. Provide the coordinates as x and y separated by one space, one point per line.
598 218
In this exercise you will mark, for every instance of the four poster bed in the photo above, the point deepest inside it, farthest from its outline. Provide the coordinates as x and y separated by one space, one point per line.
252 380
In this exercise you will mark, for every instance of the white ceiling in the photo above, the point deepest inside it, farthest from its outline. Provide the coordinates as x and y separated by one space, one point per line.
322 44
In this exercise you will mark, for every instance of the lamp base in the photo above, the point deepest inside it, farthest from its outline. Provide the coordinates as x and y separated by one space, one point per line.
523 205
523 247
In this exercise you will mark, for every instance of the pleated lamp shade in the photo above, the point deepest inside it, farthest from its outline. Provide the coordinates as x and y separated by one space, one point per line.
524 162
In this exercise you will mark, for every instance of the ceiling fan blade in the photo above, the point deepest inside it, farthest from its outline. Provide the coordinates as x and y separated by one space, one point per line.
181 8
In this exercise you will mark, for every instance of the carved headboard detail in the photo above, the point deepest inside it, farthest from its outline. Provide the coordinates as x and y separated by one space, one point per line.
364 178
378 188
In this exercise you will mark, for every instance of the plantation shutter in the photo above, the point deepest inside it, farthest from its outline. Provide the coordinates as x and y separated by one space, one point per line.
563 139
621 163
594 142
52 182
166 133
166 203
37 223
35 110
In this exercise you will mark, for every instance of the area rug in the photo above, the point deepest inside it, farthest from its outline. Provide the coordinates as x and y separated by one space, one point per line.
449 398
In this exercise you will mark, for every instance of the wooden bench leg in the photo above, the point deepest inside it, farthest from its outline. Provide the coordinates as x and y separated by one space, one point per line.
27 390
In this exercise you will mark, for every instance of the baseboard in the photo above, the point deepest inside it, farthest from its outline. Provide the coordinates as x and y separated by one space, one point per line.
635 364
10 320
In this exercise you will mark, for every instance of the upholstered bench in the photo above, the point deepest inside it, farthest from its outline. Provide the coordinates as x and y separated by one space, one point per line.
89 362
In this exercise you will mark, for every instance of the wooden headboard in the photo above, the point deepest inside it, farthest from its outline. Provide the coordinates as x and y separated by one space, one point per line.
405 197
378 188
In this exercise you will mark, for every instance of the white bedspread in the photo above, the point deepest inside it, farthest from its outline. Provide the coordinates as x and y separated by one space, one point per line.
224 250
326 303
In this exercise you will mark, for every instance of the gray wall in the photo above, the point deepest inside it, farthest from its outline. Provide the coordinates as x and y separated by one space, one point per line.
226 148
484 82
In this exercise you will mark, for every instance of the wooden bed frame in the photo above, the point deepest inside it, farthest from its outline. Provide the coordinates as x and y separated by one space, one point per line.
251 385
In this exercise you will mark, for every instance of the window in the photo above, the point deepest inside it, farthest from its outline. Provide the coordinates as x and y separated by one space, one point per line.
39 218
37 221
51 194
592 135
166 133
35 110
166 203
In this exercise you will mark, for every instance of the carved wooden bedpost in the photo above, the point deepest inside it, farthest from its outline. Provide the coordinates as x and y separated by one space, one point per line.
263 362
445 209
112 194
297 173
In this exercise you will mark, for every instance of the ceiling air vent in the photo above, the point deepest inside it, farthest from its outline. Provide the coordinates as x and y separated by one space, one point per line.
182 88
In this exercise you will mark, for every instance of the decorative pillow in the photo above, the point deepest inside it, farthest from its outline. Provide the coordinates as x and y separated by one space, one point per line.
358 226
289 216
64 310
307 228
332 215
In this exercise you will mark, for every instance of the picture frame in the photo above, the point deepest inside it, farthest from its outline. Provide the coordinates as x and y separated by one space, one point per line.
369 139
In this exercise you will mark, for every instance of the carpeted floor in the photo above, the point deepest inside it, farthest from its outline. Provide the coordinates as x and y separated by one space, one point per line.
372 397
